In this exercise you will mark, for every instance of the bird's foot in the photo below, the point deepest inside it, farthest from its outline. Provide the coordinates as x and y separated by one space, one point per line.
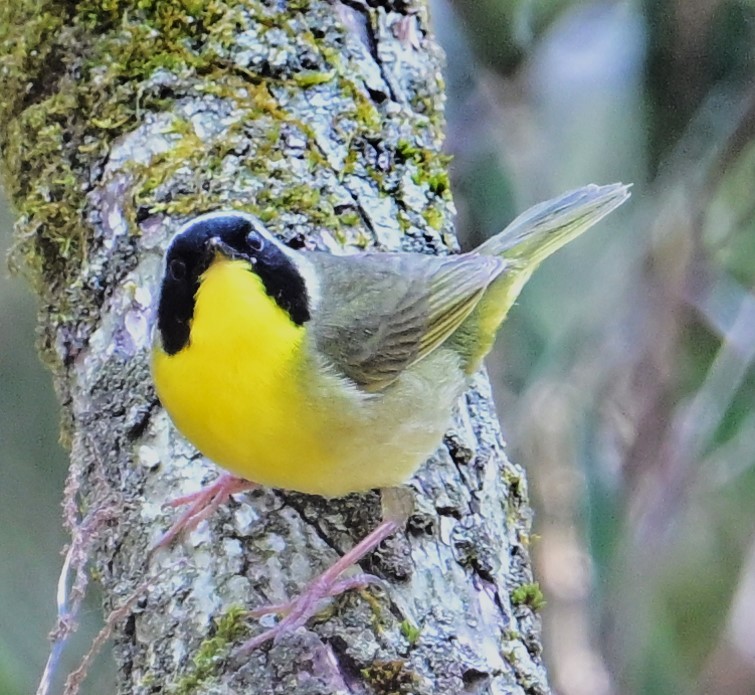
298 611
201 505
314 594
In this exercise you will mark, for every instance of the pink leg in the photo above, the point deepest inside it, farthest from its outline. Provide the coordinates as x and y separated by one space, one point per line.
355 581
297 611
202 504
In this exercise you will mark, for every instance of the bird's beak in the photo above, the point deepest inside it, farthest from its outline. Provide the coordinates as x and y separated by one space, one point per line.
215 245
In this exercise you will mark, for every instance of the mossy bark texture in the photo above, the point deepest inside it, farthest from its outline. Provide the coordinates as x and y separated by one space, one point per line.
121 119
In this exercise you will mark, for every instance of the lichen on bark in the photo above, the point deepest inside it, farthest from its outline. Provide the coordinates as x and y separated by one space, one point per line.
124 118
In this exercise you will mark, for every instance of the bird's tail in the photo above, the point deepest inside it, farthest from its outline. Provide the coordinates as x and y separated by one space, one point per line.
528 240
545 228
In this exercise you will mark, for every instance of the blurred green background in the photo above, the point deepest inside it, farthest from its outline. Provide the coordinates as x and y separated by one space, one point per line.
624 376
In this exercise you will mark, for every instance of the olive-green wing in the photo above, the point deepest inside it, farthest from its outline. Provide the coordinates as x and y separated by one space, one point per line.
379 313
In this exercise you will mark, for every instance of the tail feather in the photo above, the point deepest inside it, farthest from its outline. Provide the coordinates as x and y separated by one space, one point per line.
545 228
528 240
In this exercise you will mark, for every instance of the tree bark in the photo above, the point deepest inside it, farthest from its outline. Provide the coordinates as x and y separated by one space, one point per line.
121 119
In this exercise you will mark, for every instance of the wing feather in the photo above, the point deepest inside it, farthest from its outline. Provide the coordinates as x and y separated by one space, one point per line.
380 313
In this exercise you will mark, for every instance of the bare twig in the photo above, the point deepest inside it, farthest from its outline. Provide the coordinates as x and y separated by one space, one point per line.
84 533
76 677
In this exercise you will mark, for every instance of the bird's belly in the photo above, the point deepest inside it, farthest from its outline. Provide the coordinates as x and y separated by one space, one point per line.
319 436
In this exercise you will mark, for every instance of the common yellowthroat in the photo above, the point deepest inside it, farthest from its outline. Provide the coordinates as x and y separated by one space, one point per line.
331 374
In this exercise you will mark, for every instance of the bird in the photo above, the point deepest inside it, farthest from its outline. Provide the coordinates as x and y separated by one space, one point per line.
329 374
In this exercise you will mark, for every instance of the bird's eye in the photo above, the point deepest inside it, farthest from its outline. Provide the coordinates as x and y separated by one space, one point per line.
177 269
255 241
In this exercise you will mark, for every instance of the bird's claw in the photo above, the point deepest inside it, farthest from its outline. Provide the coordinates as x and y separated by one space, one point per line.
330 583
296 612
201 504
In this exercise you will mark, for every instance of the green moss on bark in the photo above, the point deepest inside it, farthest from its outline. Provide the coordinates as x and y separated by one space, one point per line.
228 629
78 76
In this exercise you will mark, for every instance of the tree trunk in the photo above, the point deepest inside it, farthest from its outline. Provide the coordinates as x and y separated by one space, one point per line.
121 119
